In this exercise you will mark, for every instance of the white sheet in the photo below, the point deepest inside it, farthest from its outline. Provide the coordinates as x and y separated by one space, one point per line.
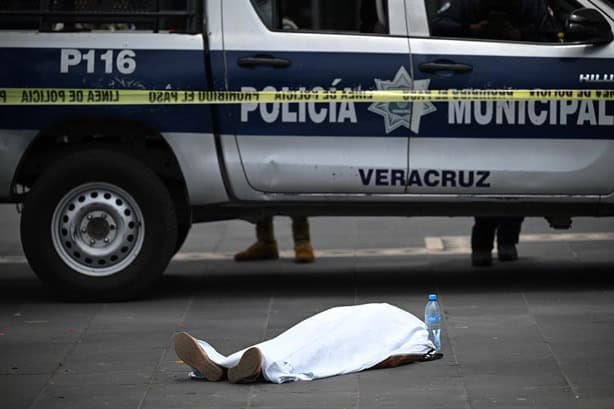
337 341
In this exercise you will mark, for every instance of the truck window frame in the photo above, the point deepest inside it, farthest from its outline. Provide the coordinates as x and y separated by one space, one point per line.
46 17
428 17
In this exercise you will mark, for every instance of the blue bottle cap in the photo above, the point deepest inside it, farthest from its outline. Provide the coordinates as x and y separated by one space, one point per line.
433 297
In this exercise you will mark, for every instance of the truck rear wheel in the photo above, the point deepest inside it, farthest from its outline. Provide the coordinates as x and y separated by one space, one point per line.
99 224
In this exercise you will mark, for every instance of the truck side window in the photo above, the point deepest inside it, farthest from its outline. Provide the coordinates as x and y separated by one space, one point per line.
502 20
340 16
99 15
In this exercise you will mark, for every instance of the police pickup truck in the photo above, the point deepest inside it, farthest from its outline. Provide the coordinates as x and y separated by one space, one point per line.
109 192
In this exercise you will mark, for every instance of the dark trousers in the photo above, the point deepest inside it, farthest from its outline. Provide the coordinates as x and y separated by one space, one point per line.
507 230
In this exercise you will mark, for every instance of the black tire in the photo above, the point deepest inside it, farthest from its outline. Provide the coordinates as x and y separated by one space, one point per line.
118 173
183 230
183 212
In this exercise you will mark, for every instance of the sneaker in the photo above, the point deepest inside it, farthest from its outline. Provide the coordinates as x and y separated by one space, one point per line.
432 355
481 258
507 252
259 251
249 368
190 352
303 252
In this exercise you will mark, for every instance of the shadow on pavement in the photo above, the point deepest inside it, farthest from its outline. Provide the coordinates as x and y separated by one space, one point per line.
399 279
226 278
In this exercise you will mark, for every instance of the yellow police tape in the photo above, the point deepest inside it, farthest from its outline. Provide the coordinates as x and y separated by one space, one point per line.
60 96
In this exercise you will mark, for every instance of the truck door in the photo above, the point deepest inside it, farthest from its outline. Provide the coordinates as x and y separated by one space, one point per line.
509 147
333 147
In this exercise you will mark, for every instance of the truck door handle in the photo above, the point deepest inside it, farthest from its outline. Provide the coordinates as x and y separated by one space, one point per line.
434 67
263 60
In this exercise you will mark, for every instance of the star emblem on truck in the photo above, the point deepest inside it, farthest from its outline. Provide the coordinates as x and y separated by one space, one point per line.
398 114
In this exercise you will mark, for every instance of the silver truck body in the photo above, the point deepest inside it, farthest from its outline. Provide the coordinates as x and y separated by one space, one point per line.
556 160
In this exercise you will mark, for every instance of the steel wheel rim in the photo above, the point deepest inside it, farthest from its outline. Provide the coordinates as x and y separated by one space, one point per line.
98 229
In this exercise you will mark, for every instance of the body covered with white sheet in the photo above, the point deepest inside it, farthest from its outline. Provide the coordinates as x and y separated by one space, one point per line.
337 341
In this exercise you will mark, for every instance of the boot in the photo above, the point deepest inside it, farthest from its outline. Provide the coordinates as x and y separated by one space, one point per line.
303 252
260 250
190 352
507 252
265 247
481 258
249 368
508 234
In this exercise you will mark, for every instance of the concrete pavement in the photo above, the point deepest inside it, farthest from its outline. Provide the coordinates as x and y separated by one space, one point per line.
531 334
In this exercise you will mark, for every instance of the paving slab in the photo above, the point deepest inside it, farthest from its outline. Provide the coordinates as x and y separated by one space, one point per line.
92 396
302 400
447 397
519 397
183 393
17 390
595 397
31 357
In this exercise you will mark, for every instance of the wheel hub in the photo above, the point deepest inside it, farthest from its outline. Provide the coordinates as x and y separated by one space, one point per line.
97 227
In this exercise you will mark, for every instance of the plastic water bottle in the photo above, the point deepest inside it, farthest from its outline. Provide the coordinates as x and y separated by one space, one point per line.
432 318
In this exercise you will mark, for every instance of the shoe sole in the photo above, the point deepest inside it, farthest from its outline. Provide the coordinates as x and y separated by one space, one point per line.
190 352
248 369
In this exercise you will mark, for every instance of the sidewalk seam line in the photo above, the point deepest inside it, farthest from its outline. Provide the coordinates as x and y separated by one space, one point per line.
164 352
459 369
571 386
250 393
